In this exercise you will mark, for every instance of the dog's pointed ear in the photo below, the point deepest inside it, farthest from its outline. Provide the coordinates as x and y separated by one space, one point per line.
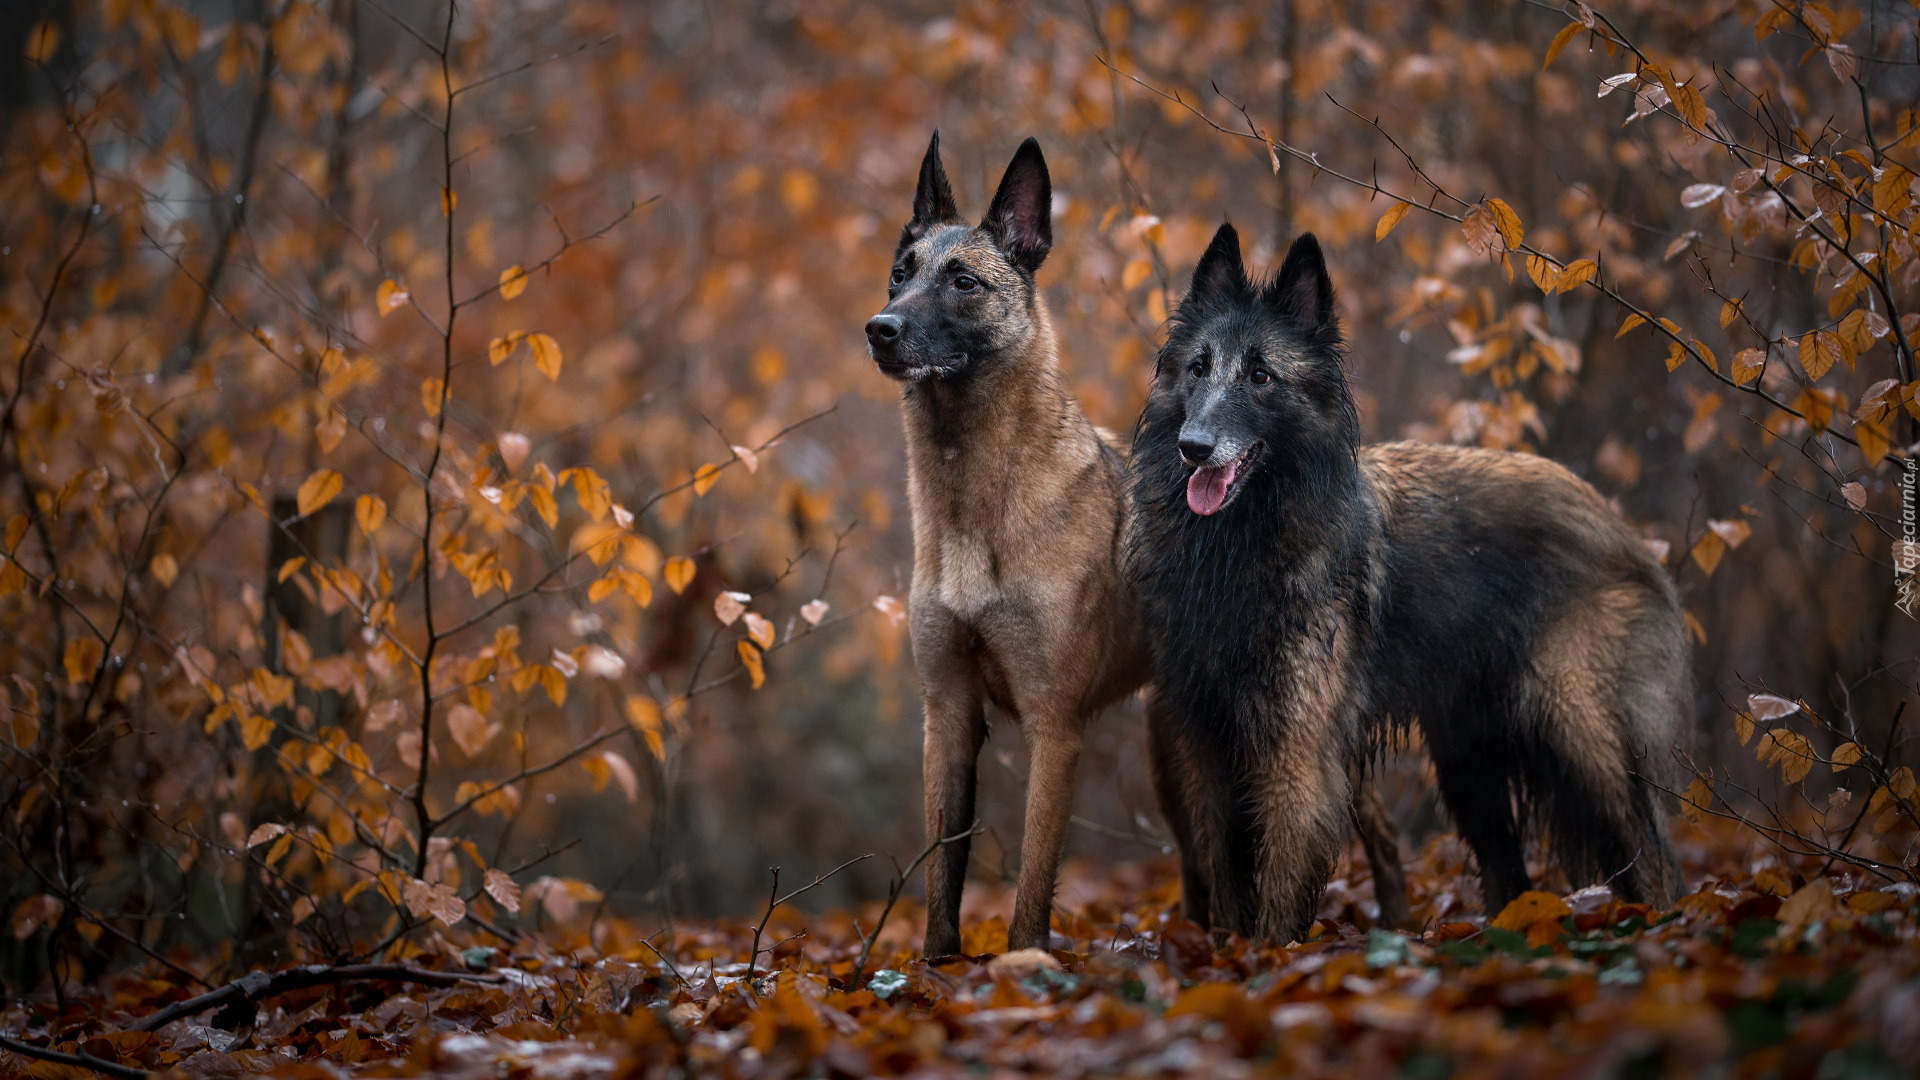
1220 269
1021 217
932 198
1303 290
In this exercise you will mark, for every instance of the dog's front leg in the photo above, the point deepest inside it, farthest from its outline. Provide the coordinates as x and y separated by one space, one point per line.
1304 800
1054 745
1184 802
956 726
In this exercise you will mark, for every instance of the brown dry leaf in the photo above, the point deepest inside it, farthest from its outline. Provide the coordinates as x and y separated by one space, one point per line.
1707 551
1136 271
645 715
502 347
1543 273
728 606
813 611
1811 903
263 833
164 569
623 774
1507 222
43 41
501 887
1819 351
1530 908
1770 707
1844 755
1696 799
1479 229
1228 1005
1733 532
35 912
1873 439
514 448
704 478
1577 273
1747 365
760 630
470 729
1567 33
330 430
82 659
1788 750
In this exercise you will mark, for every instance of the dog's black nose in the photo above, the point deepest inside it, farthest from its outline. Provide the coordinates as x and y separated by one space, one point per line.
884 329
1195 451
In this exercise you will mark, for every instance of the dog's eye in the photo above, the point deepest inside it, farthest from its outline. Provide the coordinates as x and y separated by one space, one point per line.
1261 376
899 276
1197 368
965 283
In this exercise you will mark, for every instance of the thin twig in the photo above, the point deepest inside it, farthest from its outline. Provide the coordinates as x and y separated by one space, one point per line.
772 903
894 890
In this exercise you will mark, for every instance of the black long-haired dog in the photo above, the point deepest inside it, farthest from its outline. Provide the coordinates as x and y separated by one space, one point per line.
1305 596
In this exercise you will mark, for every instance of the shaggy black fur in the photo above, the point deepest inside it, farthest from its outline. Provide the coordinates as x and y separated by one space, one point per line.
1341 593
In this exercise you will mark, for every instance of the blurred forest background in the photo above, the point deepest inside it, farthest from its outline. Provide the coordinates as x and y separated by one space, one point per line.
394 397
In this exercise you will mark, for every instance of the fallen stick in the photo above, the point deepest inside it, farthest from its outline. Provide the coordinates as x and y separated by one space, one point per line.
262 984
82 1060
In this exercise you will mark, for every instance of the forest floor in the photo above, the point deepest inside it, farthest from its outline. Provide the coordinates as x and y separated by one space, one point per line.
1768 969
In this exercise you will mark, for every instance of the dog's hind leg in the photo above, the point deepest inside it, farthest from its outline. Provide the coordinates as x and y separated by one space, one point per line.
956 726
1610 686
1054 754
1381 839
1477 783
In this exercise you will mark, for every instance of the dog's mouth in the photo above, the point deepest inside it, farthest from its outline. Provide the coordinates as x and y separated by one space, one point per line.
1212 487
914 371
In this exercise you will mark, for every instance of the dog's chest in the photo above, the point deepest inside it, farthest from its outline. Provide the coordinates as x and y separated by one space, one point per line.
969 571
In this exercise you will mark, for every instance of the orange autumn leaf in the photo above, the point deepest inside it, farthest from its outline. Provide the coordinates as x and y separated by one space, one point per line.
318 490
1389 219
546 355
679 573
389 297
371 512
750 659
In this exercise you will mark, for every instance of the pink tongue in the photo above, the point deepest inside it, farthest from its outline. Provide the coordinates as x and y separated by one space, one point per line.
1207 487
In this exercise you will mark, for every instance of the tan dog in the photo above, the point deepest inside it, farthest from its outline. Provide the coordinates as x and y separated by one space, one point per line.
1019 514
